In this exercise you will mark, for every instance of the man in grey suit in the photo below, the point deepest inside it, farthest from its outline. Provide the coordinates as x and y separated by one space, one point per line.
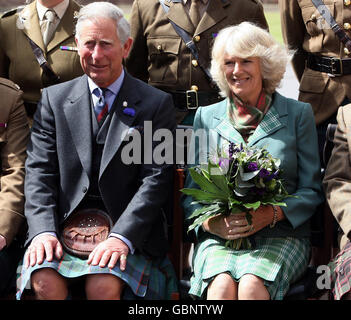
75 160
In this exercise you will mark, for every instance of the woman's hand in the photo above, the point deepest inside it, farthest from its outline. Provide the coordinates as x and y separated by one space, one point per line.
237 226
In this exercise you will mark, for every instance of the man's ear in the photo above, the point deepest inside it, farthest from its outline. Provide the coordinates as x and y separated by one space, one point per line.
77 44
126 47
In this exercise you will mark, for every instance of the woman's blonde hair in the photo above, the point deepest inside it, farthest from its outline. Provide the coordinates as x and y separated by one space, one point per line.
248 40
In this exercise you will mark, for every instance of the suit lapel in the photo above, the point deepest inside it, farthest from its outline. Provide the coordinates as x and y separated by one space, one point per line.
179 16
65 28
79 103
223 126
120 121
271 121
30 21
215 13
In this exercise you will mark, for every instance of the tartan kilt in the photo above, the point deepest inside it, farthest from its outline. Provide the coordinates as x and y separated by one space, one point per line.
340 272
278 261
149 279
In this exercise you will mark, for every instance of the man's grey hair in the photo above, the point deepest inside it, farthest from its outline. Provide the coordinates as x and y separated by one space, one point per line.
96 10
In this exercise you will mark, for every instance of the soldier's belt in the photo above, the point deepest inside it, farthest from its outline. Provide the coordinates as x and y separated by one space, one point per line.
330 65
192 99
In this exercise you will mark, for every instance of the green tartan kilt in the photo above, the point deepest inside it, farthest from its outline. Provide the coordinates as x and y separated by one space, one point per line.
146 278
279 261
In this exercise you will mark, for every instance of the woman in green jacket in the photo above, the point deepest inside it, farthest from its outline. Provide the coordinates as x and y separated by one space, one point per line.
248 65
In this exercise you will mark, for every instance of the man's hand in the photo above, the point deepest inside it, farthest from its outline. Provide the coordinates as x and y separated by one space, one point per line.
2 242
43 246
109 252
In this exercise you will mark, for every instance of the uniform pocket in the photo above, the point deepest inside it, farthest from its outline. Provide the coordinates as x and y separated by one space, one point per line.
164 59
316 24
312 88
313 81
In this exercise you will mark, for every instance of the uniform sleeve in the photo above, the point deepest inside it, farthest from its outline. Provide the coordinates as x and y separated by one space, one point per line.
293 30
261 19
13 154
4 61
337 181
137 61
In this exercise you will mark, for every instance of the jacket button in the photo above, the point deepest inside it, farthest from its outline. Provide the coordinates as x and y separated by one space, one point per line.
197 38
194 63
346 51
85 189
347 26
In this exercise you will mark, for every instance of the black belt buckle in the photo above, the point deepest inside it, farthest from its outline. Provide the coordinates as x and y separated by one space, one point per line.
334 67
192 101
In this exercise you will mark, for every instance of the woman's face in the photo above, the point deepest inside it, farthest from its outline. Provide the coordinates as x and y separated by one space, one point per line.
244 77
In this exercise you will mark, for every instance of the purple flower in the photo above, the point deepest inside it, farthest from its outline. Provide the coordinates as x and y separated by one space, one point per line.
274 175
224 164
252 166
231 150
213 158
264 173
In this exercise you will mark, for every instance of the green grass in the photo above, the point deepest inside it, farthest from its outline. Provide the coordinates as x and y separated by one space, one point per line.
273 19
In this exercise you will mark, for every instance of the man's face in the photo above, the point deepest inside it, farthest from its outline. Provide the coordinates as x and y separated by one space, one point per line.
100 50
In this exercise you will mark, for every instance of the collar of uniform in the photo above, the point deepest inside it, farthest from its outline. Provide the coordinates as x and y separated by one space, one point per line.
203 1
60 9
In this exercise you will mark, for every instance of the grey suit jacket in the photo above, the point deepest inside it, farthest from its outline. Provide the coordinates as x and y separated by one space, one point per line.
60 159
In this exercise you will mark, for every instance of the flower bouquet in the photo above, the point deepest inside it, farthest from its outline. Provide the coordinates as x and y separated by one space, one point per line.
239 179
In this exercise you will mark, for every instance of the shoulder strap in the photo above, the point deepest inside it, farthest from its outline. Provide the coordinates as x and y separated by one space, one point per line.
38 53
339 31
188 40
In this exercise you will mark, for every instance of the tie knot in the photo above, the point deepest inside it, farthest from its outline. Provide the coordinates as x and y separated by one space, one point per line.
100 92
50 15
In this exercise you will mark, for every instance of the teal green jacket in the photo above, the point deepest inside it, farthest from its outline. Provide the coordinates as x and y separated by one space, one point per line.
288 132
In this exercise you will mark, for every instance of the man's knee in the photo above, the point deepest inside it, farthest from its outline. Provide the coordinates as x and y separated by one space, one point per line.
104 287
48 284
